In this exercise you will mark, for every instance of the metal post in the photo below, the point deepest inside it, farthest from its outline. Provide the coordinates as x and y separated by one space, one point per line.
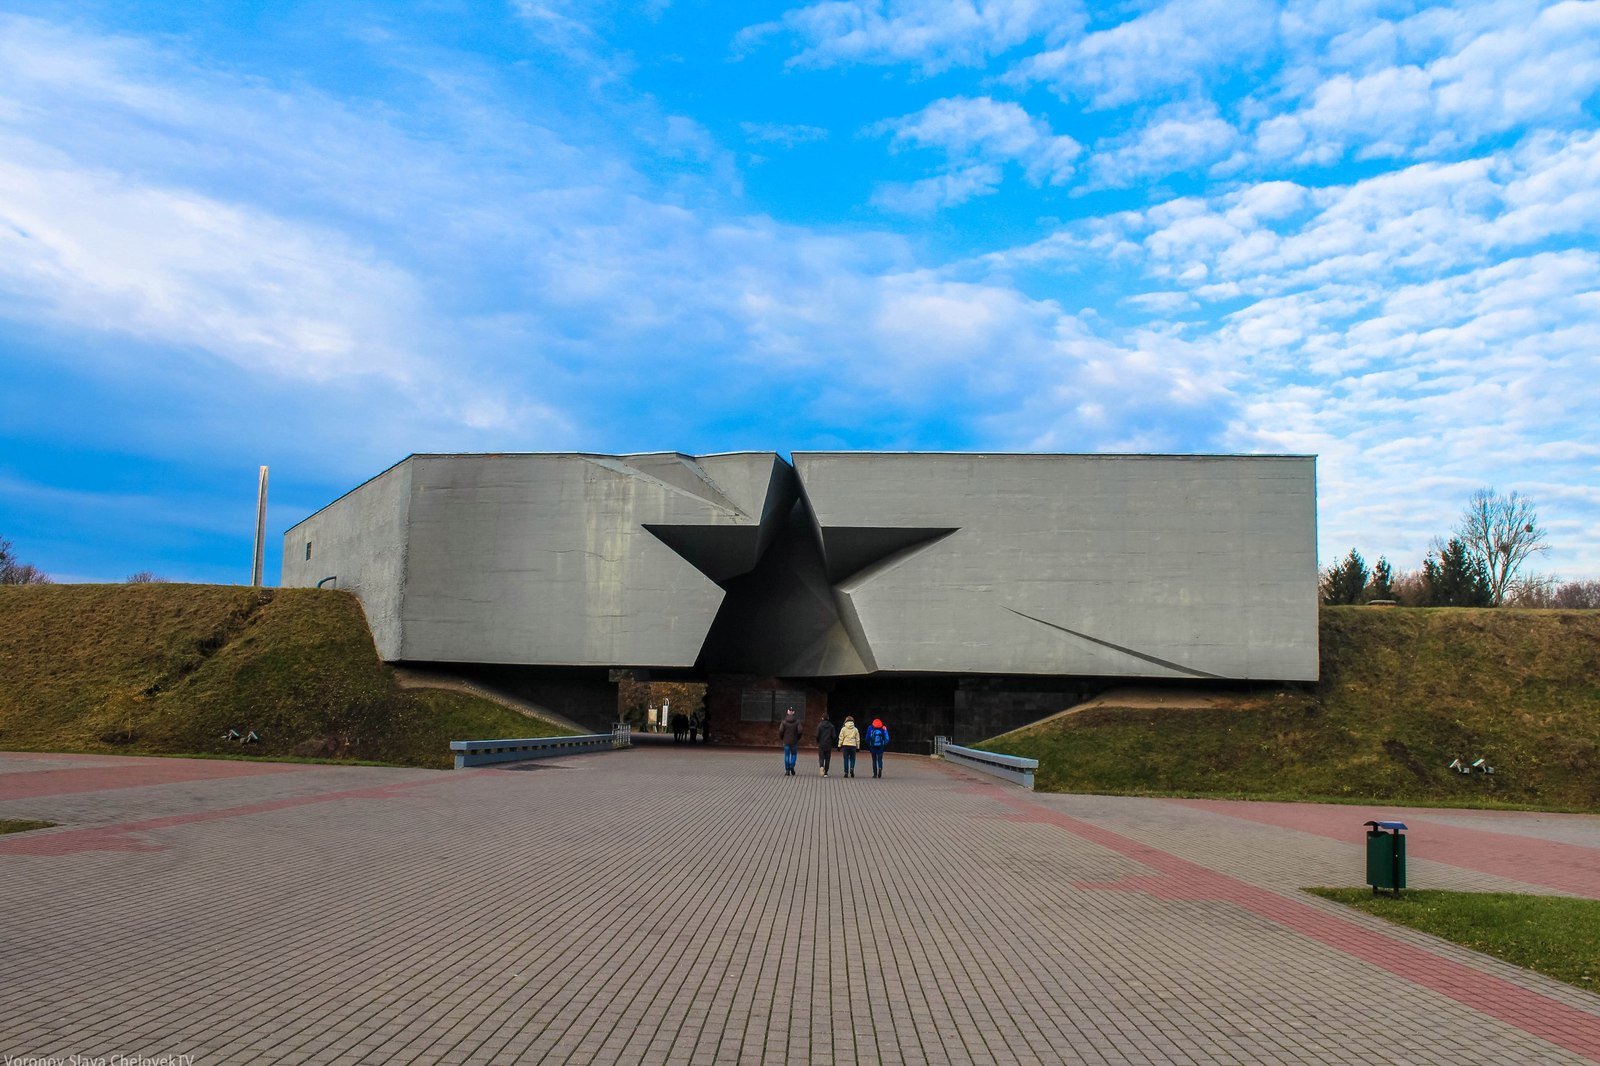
261 530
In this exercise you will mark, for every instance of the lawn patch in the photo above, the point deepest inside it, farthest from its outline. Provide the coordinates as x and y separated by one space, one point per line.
1552 935
21 825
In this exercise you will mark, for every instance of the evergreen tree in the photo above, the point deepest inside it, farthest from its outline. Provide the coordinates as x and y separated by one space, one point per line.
1382 585
1456 578
1347 582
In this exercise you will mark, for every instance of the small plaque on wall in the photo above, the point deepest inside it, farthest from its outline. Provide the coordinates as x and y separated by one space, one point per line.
782 700
755 705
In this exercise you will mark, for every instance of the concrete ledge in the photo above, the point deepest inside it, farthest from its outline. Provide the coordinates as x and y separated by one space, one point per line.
483 752
1013 768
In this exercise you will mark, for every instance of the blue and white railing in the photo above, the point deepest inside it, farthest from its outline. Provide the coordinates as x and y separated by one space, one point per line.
486 752
1013 768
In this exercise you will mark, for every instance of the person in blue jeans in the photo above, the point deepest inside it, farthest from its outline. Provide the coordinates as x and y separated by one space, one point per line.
789 733
849 741
877 744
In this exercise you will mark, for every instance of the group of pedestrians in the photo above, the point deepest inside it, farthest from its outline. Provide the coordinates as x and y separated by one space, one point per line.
847 738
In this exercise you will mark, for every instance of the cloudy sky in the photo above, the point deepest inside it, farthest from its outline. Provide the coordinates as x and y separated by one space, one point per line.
322 236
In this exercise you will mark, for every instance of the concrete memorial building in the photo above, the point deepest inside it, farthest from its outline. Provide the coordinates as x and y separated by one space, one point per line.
961 594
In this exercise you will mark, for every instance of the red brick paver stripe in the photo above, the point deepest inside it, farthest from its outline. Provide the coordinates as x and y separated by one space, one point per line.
1564 867
1179 879
125 837
131 773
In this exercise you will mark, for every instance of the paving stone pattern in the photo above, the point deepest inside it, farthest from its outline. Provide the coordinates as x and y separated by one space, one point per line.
692 906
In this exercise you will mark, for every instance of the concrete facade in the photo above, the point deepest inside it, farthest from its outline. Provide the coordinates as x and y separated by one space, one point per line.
543 558
1127 566
841 565
358 543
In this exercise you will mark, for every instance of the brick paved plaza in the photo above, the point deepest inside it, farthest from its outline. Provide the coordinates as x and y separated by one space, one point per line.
689 906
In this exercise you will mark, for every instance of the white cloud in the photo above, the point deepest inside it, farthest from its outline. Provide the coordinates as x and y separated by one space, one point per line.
558 19
1180 138
1267 201
472 274
1556 188
927 195
1183 42
97 249
1170 302
488 307
787 136
1425 331
977 137
575 31
931 34
1475 72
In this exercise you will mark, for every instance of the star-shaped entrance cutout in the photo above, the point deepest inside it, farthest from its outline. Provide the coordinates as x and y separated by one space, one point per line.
787 606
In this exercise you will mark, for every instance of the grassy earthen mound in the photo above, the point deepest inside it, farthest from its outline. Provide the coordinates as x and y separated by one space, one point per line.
171 669
1402 694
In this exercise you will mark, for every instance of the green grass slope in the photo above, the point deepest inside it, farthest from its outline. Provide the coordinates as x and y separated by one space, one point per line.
1403 692
169 669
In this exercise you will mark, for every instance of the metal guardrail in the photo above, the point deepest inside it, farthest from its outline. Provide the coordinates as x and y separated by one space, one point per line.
1013 768
485 752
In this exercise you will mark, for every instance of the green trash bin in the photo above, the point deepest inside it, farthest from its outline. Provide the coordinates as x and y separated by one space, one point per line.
1386 856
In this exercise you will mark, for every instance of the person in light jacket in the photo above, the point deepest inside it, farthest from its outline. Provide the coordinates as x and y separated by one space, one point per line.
849 742
826 738
789 733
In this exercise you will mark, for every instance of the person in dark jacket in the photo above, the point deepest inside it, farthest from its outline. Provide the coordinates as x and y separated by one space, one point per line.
877 744
789 733
826 736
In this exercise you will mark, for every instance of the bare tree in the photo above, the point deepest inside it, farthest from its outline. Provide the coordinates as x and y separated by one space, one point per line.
1582 595
146 577
13 572
1535 590
1410 590
1500 532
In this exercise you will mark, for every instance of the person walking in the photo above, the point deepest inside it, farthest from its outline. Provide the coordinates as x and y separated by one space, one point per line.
827 736
849 741
877 743
789 733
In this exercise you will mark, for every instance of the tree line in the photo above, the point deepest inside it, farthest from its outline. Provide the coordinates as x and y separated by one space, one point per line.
1480 565
14 571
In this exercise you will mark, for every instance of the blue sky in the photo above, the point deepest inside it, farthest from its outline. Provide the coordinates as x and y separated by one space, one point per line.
324 236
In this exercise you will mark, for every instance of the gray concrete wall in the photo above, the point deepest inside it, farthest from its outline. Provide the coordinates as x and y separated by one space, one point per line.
988 707
359 540
1135 566
547 558
1178 567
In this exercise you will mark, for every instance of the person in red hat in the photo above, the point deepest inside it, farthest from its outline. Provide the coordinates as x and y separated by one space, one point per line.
877 744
